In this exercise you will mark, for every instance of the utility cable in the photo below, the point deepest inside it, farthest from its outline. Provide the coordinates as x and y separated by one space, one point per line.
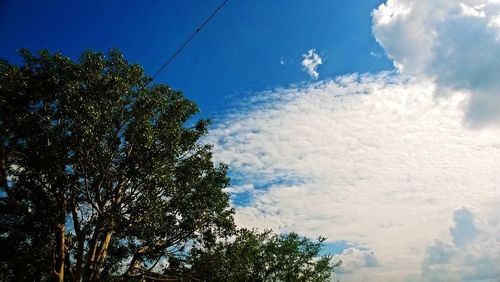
179 50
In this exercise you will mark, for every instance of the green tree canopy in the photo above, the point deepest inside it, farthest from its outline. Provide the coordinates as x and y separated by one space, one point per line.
99 172
103 176
254 256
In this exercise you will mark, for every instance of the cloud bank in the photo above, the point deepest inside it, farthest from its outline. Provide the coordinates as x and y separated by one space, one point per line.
311 62
384 161
369 159
454 43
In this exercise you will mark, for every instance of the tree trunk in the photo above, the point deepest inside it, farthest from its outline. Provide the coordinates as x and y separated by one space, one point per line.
3 165
98 248
100 255
59 253
89 266
80 237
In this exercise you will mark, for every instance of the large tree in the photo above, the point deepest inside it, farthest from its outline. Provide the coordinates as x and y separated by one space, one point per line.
103 176
100 173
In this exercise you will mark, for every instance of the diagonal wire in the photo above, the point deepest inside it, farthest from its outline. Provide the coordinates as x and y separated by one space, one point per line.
179 50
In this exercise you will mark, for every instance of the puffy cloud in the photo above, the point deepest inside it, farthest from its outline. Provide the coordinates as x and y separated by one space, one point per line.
465 228
370 159
454 43
354 259
474 254
311 62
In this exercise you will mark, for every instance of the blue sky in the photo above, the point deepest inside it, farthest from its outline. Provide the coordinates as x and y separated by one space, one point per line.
237 53
390 147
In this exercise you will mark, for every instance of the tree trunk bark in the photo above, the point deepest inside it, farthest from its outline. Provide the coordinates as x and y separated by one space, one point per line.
80 245
104 247
3 165
98 247
59 253
100 255
89 266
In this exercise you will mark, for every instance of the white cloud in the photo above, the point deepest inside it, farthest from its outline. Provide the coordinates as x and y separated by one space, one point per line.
311 62
239 189
370 159
354 259
474 11
384 160
454 43
473 255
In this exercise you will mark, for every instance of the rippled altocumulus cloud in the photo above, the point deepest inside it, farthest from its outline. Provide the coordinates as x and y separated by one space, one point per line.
374 160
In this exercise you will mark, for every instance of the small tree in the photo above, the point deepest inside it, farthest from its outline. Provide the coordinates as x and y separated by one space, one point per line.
99 173
254 256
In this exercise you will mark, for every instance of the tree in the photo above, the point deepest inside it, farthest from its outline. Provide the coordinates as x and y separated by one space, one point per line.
99 173
254 256
103 176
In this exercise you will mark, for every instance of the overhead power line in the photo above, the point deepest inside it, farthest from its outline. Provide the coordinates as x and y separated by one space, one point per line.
179 50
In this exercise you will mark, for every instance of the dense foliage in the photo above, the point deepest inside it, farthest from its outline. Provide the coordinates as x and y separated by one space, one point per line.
97 168
103 176
254 256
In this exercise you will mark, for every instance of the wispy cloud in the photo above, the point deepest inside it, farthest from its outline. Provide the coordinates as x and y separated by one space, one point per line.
370 159
282 61
311 62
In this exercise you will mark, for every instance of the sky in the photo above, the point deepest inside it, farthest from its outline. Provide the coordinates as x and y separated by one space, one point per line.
372 123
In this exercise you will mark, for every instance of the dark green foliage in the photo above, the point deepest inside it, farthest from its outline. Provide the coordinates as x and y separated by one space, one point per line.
89 150
103 176
254 256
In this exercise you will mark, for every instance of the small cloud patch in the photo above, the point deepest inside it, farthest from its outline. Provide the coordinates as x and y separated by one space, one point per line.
311 62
